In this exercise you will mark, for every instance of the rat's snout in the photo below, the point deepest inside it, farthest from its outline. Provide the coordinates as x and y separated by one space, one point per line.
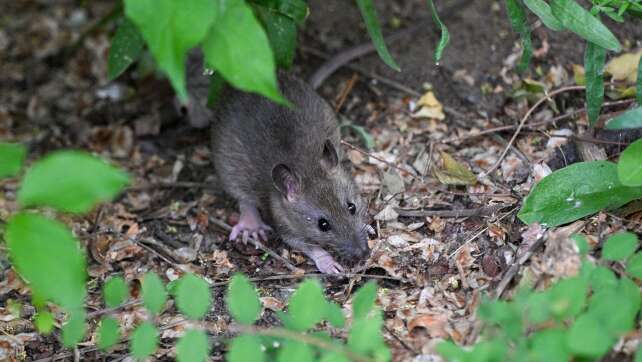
359 246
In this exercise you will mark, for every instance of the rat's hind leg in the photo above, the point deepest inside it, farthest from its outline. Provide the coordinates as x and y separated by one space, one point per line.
250 224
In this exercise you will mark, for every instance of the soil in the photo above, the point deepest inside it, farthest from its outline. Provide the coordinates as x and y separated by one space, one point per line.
434 268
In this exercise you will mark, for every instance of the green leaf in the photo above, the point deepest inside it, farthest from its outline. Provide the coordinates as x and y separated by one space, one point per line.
38 247
638 354
238 48
115 291
369 14
306 306
638 87
445 35
629 119
581 242
282 32
576 19
620 246
550 345
634 266
171 28
365 334
543 11
629 167
616 321
12 155
362 133
568 297
192 347
193 296
295 351
504 314
334 315
488 351
586 337
242 300
576 191
363 300
108 333
154 294
539 307
594 58
451 351
44 321
74 330
144 340
126 46
334 357
246 348
71 181
603 278
519 23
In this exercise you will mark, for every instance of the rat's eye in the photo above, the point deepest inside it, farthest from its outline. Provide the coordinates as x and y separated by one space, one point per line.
351 208
324 225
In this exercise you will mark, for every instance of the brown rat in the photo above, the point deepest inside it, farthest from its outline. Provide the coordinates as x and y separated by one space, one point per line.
285 162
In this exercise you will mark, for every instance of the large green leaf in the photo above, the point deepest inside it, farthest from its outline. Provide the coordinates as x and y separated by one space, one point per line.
629 119
638 82
616 321
126 46
543 11
171 28
71 181
629 167
282 32
242 300
549 345
154 294
193 297
445 35
576 191
369 14
45 254
519 23
634 266
237 46
365 334
594 57
578 20
12 155
192 347
74 329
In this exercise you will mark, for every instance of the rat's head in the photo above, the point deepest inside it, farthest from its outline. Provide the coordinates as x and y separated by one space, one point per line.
321 205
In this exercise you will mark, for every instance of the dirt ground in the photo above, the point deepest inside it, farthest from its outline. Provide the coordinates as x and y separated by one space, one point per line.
438 247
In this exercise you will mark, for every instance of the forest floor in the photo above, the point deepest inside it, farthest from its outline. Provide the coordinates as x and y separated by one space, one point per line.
439 247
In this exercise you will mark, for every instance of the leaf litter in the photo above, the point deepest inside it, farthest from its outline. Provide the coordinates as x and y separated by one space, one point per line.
438 248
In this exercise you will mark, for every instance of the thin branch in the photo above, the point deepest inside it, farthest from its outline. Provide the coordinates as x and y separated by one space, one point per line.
364 152
480 211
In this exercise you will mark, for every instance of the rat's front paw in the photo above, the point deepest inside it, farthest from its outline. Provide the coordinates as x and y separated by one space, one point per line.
246 229
327 265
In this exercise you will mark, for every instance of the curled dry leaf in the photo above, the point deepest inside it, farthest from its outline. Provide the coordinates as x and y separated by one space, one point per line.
272 303
453 172
624 67
429 107
434 324
387 214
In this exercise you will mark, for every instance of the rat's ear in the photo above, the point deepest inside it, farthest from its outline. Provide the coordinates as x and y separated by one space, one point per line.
286 181
329 157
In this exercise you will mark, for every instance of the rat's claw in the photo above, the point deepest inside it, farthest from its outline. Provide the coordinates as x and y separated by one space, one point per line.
370 229
263 235
328 266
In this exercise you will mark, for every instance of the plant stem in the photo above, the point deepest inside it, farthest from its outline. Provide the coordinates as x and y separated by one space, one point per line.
305 338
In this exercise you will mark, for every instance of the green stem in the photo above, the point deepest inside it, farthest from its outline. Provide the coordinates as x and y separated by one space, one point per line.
307 339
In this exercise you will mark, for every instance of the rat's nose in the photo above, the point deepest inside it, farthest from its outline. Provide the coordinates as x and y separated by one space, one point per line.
362 250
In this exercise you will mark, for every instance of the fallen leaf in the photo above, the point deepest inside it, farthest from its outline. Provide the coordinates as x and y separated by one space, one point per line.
393 182
624 67
429 107
453 172
434 324
387 214
272 303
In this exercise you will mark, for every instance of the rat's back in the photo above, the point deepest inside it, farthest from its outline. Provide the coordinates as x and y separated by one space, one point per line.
251 134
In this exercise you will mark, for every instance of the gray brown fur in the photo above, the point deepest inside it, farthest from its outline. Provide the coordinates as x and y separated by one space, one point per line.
251 135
